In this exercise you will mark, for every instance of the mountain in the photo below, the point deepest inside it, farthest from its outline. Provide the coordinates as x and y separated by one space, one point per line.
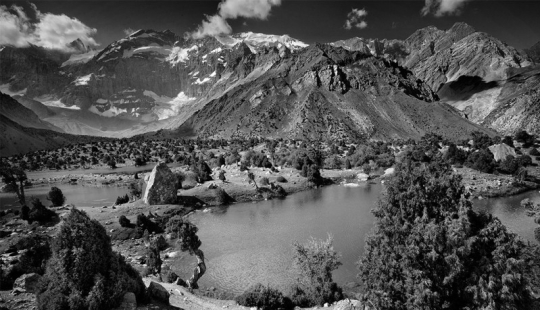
260 84
534 52
327 92
490 82
22 115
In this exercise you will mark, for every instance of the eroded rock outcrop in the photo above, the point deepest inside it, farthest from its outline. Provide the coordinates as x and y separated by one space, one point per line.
162 186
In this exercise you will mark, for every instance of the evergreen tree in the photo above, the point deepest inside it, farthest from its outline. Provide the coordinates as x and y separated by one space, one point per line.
430 250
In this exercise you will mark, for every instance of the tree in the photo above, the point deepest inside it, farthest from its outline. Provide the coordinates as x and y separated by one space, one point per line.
84 272
186 234
482 161
112 163
315 261
430 250
56 197
251 178
12 175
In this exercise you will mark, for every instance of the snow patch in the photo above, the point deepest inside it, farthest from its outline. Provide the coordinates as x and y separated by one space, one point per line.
102 101
179 54
199 81
111 112
83 80
51 101
168 107
5 89
79 59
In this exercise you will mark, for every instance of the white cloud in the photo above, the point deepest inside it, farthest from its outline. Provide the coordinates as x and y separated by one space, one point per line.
356 19
128 31
49 30
232 9
440 8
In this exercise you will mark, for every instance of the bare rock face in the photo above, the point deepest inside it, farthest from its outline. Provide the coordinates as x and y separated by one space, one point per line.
28 282
162 186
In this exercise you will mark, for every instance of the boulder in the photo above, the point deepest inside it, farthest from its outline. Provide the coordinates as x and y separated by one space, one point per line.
500 151
27 282
162 186
349 304
362 177
157 291
129 302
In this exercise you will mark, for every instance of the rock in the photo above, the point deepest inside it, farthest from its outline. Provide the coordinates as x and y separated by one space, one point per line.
129 302
348 304
162 186
157 291
27 282
362 177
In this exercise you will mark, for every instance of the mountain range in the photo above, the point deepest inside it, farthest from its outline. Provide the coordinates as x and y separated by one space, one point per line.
448 81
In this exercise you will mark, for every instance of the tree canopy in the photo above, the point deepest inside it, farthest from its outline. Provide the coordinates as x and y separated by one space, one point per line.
430 250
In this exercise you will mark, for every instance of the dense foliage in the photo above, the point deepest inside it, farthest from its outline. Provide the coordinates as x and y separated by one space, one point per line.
430 250
264 298
84 272
315 261
56 197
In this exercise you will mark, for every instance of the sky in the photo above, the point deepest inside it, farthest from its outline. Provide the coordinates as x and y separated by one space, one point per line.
53 24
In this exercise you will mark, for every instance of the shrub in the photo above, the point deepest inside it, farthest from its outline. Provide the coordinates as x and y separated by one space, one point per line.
40 213
124 221
537 234
482 161
263 297
146 224
534 152
135 190
264 181
281 179
122 199
56 197
84 272
316 260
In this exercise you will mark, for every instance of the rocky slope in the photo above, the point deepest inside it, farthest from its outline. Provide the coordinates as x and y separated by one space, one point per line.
534 52
327 92
154 80
493 84
22 115
507 105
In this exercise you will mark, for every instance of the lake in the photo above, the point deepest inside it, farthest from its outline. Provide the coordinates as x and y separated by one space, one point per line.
249 243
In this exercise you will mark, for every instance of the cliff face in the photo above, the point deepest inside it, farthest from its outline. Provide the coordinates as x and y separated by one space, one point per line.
491 83
328 92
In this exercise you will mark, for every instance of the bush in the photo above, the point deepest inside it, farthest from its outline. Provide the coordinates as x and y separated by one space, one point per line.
124 221
56 197
482 161
135 190
264 181
122 199
146 224
534 152
84 272
263 297
316 260
39 213
25 211
281 179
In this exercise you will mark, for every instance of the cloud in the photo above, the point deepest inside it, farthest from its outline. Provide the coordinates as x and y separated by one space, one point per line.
233 9
440 8
47 30
128 31
356 19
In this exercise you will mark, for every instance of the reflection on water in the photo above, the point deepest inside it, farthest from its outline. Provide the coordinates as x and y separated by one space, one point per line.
252 242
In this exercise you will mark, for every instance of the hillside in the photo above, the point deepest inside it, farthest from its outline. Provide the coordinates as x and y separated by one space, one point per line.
22 115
